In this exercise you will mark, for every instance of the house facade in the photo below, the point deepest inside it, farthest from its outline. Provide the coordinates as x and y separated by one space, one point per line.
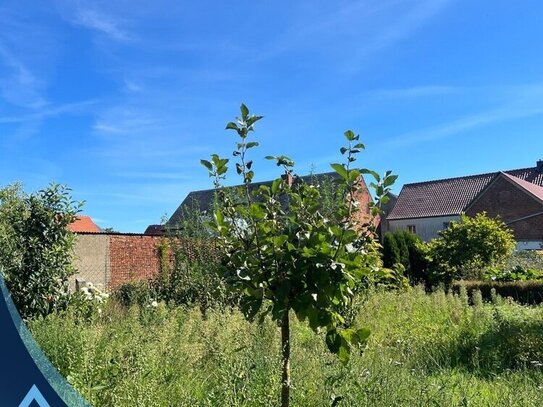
516 196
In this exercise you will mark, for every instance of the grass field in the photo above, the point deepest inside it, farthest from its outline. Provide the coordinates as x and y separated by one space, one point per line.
425 350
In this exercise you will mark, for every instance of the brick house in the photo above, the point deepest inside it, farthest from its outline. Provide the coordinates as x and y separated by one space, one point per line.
516 196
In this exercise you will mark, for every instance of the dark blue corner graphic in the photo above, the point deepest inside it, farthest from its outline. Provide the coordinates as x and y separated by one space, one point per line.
27 378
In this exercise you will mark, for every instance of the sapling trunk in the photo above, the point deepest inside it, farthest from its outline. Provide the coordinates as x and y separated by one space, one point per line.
285 356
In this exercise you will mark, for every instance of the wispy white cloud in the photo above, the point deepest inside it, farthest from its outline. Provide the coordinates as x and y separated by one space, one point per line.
400 26
50 111
414 92
153 175
363 28
522 102
20 86
102 23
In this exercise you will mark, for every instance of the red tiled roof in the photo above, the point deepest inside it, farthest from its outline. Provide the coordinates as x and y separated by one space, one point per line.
451 196
84 224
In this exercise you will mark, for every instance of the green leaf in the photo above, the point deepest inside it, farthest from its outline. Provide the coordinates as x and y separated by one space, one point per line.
349 135
252 144
257 211
390 180
276 184
375 175
219 218
250 307
232 126
363 335
343 150
344 352
333 341
207 164
279 240
354 175
244 111
340 169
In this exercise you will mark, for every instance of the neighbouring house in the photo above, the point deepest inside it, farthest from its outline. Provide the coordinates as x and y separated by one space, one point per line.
202 201
85 224
154 230
516 196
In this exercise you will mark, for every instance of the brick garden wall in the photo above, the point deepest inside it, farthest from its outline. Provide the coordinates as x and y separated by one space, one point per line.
112 259
133 257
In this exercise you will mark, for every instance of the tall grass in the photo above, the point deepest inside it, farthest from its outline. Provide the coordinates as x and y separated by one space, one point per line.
425 350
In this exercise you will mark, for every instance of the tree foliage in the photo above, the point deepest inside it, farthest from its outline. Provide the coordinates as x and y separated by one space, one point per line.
280 252
36 247
391 251
469 246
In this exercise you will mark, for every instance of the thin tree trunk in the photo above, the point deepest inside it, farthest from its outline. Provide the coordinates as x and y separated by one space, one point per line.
285 343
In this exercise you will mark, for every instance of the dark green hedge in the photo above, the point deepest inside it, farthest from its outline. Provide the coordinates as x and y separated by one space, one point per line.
524 292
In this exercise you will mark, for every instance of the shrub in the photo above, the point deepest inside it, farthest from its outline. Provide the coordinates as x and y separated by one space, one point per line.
524 292
468 247
418 264
190 269
527 259
518 273
36 247
405 248
391 251
134 293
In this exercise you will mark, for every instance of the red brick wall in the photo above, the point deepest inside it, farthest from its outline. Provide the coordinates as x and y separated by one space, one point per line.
133 258
529 229
508 201
364 199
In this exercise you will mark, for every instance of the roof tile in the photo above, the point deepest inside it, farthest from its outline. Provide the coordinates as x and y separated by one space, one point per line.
451 196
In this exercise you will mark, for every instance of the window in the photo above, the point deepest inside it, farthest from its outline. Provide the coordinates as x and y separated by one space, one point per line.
412 228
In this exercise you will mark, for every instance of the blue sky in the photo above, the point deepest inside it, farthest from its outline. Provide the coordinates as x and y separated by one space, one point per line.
121 99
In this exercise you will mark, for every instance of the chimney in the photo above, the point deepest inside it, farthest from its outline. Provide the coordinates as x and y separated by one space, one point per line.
287 178
539 165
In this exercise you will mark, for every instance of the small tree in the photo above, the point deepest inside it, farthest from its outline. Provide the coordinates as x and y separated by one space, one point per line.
417 262
403 249
36 247
391 252
280 253
469 246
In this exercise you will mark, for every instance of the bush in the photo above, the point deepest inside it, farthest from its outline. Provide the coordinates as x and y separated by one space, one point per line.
417 271
469 247
391 251
406 248
190 273
134 293
36 247
527 259
524 292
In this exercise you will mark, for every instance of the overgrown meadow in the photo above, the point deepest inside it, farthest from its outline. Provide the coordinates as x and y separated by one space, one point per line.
424 350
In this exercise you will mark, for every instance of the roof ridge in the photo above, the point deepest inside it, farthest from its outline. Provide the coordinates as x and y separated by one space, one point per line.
264 182
471 176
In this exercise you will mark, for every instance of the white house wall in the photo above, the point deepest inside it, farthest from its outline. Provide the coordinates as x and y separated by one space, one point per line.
529 245
426 228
